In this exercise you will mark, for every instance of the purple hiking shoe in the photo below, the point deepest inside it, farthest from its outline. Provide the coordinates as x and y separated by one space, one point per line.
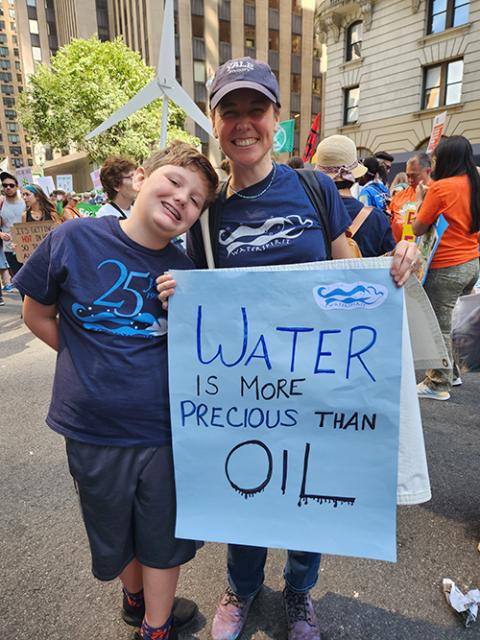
301 618
230 616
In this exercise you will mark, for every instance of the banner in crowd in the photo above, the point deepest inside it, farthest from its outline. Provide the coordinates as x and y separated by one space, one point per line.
87 209
65 182
27 236
24 176
95 177
284 137
284 396
46 183
437 131
428 243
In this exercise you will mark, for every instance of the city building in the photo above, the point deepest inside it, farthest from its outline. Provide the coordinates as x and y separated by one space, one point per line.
392 65
207 33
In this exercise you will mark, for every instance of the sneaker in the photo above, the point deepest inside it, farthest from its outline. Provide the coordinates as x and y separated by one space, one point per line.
230 616
302 621
2 302
184 612
9 287
423 391
457 382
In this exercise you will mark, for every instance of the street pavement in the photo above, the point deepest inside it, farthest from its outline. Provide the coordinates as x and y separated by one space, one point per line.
48 592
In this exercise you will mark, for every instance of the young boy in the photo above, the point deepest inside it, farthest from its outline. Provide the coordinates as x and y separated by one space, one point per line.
91 296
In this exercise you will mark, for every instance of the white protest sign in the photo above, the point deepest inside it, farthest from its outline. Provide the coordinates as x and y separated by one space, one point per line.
24 176
65 182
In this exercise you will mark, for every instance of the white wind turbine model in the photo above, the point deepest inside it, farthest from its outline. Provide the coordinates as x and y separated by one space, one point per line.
163 86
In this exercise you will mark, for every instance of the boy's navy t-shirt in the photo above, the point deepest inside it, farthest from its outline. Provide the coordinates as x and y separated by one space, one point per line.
279 227
111 377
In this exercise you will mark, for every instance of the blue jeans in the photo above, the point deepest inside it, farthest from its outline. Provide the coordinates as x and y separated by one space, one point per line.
246 565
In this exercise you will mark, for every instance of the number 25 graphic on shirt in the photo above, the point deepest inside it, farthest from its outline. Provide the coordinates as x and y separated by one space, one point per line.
123 282
113 320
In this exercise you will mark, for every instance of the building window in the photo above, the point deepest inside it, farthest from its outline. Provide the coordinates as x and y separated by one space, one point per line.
352 98
197 26
33 26
224 31
296 44
14 139
250 37
445 14
31 3
12 127
442 84
354 41
199 73
296 83
37 54
7 89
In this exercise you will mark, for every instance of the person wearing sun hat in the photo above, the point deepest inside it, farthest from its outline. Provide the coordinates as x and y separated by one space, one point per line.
244 105
336 157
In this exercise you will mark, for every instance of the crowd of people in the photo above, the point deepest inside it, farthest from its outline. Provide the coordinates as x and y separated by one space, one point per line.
119 443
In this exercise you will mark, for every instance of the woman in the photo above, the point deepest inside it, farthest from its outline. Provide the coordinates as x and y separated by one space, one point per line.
70 211
38 206
264 217
453 271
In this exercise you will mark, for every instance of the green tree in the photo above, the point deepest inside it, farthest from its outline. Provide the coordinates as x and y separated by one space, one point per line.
86 82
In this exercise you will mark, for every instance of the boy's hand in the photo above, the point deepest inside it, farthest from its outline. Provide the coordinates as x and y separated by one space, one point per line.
406 260
166 288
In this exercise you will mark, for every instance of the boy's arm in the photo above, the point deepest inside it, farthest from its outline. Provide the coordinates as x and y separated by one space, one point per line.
42 321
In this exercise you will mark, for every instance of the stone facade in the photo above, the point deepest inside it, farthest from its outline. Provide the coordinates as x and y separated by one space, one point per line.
396 49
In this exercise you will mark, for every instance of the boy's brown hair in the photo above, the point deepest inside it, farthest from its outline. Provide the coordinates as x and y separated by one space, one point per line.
184 155
113 171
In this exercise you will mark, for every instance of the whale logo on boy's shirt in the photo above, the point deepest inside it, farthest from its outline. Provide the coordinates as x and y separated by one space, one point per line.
141 325
273 229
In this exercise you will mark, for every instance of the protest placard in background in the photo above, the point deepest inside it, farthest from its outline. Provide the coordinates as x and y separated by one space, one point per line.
46 183
437 131
24 176
95 176
65 182
284 396
28 235
284 137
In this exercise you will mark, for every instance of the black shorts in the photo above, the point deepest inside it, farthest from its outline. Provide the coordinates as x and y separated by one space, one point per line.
127 497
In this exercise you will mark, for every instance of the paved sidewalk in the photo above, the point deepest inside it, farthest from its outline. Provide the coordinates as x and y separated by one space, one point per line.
48 592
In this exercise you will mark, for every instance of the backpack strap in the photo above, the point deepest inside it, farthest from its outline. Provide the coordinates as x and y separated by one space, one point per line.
359 219
315 194
120 211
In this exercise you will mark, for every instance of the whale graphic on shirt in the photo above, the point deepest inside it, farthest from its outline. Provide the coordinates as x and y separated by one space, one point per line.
277 228
141 325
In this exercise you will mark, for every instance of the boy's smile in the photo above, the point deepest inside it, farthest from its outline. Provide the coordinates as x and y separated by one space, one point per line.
168 203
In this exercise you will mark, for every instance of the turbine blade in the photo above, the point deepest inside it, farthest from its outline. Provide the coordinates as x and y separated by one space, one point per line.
146 95
180 97
166 56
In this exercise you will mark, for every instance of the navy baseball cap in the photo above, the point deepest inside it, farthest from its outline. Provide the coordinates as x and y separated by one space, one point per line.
244 73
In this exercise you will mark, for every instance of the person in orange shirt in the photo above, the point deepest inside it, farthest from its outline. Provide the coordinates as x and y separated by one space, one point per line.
403 202
454 269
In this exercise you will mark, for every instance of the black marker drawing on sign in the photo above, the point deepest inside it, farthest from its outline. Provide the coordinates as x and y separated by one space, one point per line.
249 493
305 497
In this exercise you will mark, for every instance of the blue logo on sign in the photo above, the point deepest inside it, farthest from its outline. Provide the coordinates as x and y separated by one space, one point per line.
350 296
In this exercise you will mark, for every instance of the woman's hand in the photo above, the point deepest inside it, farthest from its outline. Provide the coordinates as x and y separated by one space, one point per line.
166 288
406 260
5 236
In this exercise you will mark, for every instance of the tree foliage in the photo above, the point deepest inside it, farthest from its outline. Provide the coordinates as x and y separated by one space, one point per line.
86 82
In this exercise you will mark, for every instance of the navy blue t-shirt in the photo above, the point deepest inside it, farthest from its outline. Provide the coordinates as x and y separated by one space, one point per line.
281 226
111 377
374 238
